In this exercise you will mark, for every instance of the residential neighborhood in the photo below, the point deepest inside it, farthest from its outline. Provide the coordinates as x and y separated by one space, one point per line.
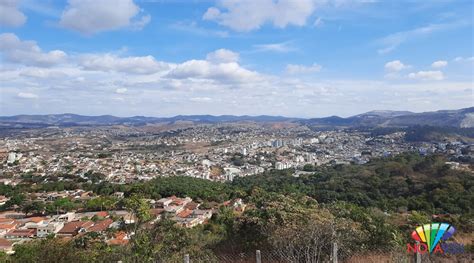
17 227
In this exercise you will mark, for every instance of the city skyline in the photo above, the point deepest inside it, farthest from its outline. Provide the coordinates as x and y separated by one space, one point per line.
291 58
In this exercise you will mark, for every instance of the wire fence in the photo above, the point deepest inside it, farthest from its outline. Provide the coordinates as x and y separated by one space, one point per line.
336 256
330 253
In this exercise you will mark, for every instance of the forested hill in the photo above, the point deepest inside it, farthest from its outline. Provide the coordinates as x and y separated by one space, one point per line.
462 118
402 183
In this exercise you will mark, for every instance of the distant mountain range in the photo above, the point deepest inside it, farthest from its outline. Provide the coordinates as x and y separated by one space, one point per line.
80 120
454 118
462 118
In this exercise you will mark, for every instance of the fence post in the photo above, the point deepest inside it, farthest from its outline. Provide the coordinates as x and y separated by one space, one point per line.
186 258
258 256
417 254
334 252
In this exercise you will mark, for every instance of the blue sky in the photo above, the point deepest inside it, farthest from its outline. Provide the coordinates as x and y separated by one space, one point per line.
305 58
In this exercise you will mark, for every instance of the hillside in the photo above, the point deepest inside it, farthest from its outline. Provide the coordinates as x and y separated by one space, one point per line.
362 208
462 118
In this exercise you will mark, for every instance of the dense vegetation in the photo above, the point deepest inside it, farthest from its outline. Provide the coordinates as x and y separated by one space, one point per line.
401 183
427 133
280 223
421 133
361 207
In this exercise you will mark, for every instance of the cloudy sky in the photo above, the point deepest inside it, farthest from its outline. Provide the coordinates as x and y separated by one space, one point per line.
304 58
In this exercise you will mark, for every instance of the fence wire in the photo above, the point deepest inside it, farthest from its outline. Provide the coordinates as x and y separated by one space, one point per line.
395 256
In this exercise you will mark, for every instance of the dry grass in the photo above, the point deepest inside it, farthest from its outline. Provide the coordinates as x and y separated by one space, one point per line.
370 258
405 258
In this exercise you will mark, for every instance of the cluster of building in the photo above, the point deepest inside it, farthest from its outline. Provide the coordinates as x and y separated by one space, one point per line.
16 227
187 213
217 152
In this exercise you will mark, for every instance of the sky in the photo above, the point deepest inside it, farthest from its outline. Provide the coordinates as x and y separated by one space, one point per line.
296 58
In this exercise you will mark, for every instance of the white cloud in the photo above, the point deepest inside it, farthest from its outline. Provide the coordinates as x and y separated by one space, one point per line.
10 15
252 96
27 52
463 59
45 73
427 75
302 69
282 47
223 56
141 23
223 72
194 28
218 84
248 15
110 62
392 41
212 13
221 67
395 66
121 90
191 68
318 22
27 95
439 64
200 99
92 16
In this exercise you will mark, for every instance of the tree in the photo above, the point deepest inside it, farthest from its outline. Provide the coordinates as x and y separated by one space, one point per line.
84 249
64 204
139 208
101 203
15 200
32 207
308 167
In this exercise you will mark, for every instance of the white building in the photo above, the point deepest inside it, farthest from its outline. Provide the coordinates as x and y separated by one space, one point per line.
244 151
283 165
68 217
231 173
46 228
11 158
279 166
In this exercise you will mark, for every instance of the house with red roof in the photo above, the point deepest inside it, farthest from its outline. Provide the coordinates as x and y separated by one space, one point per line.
102 214
7 227
120 238
21 234
71 229
100 226
6 246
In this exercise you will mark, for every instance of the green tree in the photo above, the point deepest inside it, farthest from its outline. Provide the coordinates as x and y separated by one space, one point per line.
64 204
308 167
